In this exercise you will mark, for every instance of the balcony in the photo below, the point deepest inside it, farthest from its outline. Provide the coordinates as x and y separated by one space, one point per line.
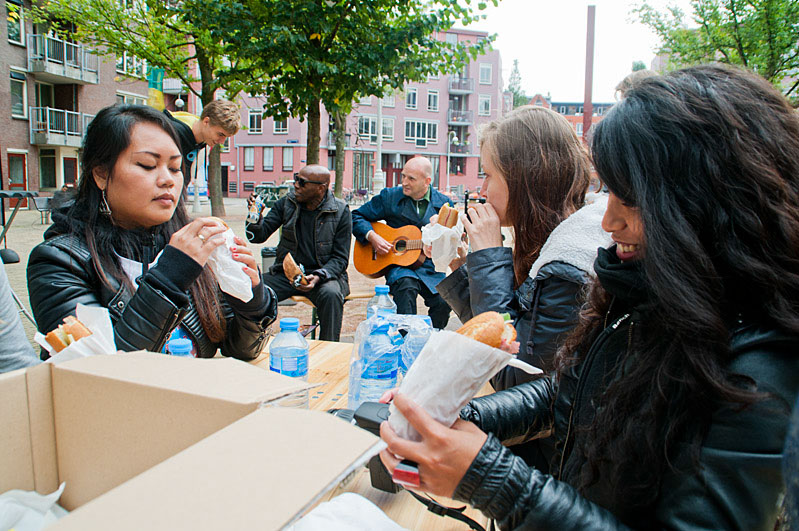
461 85
58 61
57 127
460 148
456 117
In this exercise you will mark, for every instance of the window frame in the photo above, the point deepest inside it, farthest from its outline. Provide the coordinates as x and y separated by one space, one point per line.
428 137
431 93
390 122
52 154
287 149
24 83
480 100
415 92
20 22
254 113
371 131
277 131
245 151
389 101
490 68
271 158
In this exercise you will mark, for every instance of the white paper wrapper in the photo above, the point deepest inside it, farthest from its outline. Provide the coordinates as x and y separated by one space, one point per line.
346 512
444 242
101 341
447 374
24 510
232 280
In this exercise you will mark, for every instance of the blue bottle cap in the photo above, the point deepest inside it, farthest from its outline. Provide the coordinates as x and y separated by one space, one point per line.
289 323
179 345
381 289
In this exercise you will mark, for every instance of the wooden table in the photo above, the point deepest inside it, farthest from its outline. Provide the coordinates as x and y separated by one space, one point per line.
329 364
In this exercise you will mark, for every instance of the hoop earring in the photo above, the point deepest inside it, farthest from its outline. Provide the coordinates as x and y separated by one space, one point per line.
104 208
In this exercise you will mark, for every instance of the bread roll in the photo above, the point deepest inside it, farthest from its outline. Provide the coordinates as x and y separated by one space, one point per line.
447 216
489 328
219 221
67 333
293 271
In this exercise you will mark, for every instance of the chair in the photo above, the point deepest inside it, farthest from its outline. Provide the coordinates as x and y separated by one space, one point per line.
42 204
315 316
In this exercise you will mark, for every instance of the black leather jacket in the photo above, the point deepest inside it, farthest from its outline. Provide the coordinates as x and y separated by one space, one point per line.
60 276
737 488
332 236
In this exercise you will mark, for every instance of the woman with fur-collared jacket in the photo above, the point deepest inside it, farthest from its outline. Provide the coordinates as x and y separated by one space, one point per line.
536 176
127 244
671 401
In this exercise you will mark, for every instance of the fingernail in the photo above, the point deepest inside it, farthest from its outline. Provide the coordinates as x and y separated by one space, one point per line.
235 255
233 249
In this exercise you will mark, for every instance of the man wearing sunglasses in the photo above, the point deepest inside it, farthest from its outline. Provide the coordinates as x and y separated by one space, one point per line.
317 229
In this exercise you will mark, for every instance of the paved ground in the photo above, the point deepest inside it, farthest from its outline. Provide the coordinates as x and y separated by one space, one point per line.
27 230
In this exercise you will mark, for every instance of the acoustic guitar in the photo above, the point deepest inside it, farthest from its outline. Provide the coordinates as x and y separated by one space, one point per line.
407 250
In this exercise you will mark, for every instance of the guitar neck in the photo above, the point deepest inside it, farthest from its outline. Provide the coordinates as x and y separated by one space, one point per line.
414 244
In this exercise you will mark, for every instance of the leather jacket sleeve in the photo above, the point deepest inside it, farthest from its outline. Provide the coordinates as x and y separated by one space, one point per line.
246 330
261 231
342 241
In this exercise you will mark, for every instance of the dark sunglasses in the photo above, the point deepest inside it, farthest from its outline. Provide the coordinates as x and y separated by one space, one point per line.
303 181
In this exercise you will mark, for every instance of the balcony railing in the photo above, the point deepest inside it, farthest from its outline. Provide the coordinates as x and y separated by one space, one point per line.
457 117
461 85
57 60
460 148
57 127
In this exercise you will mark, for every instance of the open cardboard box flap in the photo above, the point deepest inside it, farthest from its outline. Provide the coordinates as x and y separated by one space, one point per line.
97 422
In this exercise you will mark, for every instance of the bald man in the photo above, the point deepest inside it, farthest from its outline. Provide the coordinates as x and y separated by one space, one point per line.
317 230
412 203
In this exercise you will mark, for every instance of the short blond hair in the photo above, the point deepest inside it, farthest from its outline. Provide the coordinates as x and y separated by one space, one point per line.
223 113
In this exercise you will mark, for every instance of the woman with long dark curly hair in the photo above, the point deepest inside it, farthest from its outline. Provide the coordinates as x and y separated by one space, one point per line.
126 243
672 398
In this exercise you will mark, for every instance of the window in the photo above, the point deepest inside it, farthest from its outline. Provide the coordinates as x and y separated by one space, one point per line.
580 109
19 96
130 65
485 73
16 23
248 186
367 128
579 128
288 159
484 105
452 38
410 98
421 132
249 159
269 158
433 76
131 99
388 129
281 127
44 95
365 100
388 101
562 109
331 160
226 145
432 100
47 168
256 121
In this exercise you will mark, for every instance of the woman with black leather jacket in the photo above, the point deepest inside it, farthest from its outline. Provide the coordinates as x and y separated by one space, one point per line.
536 176
127 244
671 401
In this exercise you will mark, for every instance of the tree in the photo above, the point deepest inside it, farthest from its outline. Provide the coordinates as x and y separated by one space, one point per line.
515 86
159 33
330 52
761 35
638 65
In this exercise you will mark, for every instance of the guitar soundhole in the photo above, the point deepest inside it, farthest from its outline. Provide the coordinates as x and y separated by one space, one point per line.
400 246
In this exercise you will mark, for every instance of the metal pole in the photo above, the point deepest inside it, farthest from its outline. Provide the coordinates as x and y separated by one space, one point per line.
588 107
379 181
449 142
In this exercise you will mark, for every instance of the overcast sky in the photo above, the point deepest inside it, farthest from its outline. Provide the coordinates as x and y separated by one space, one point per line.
548 39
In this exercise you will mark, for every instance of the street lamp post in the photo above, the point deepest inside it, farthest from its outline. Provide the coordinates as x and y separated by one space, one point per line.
452 136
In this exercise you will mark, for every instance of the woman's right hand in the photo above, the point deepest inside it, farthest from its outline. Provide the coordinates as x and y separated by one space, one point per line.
198 239
484 228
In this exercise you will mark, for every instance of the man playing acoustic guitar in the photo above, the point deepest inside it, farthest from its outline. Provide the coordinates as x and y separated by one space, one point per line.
410 204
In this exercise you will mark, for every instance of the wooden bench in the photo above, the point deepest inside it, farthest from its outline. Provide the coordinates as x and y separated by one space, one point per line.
315 315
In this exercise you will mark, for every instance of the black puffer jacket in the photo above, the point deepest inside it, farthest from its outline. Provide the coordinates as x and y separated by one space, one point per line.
60 275
740 480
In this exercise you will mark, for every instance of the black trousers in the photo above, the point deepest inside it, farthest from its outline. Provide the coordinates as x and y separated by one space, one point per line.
327 297
404 292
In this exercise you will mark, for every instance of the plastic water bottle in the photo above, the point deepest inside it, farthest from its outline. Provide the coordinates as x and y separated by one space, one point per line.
288 355
415 340
179 347
381 301
376 371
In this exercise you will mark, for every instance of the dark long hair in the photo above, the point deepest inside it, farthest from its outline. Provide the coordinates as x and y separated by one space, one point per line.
710 157
547 171
107 136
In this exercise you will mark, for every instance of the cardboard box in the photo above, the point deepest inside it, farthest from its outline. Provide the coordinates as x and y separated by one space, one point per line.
146 441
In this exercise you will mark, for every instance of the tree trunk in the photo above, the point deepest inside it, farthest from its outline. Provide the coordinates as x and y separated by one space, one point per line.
313 134
340 120
214 161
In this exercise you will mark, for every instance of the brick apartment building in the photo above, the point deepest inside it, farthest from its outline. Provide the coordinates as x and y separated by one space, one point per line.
572 110
437 118
53 89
